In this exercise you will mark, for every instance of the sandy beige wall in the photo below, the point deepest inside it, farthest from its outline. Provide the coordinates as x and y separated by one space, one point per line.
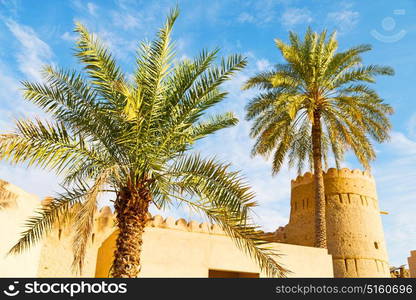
14 210
178 253
56 253
172 248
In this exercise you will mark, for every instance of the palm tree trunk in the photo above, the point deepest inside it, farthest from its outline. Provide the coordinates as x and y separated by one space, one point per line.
320 220
131 208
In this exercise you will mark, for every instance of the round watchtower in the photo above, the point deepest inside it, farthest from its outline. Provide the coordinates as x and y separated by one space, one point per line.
354 230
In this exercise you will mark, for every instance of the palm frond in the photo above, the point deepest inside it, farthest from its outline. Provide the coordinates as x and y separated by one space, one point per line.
99 64
84 220
46 145
59 209
317 78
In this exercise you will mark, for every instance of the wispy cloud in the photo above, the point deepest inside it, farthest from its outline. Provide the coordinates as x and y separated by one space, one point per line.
411 126
296 16
122 25
33 53
396 179
125 20
245 17
9 97
69 37
344 19
402 144
92 8
263 64
12 6
260 13
85 7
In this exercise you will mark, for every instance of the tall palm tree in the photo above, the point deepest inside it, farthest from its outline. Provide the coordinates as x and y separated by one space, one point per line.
318 101
131 136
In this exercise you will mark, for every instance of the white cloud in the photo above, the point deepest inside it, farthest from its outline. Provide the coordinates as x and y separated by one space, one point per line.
92 8
345 19
36 181
125 20
33 53
260 13
401 143
270 218
122 26
245 18
69 37
295 16
263 65
411 126
395 177
11 103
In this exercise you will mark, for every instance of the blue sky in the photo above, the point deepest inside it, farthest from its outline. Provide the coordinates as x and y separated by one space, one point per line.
33 33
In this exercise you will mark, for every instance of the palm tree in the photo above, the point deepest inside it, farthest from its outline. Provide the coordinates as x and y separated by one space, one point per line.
318 101
131 136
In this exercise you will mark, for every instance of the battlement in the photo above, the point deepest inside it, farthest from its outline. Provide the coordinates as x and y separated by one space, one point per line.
334 173
105 215
104 222
183 225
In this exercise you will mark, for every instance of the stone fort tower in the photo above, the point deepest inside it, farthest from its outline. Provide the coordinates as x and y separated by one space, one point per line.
354 230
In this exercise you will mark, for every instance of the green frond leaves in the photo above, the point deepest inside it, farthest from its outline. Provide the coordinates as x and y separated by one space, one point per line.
133 134
59 210
261 80
84 220
212 125
195 176
99 63
317 78
226 200
46 145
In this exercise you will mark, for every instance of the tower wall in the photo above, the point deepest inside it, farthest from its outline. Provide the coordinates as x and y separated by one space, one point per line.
354 230
412 263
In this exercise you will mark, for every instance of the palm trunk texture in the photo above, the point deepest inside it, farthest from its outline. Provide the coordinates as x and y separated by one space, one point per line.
131 209
320 220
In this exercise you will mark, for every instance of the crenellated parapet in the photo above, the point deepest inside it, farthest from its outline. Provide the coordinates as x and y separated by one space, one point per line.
307 178
343 186
105 220
183 225
348 173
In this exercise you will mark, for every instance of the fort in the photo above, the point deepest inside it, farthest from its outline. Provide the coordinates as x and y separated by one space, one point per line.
178 248
354 230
